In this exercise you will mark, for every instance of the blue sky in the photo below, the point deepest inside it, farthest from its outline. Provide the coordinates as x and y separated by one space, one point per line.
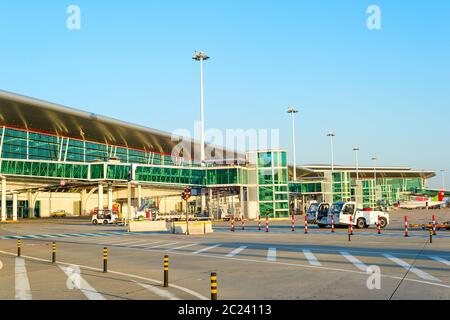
386 90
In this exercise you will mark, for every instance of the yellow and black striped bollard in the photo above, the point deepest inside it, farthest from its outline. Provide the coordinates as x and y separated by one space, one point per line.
166 271
19 246
54 252
213 286
105 260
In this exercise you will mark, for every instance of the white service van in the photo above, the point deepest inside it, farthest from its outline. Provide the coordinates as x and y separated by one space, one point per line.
317 211
342 211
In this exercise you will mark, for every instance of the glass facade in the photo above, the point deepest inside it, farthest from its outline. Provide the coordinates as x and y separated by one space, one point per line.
273 184
44 170
25 145
341 187
32 154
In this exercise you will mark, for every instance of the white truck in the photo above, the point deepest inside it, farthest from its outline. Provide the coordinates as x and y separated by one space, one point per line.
342 211
316 211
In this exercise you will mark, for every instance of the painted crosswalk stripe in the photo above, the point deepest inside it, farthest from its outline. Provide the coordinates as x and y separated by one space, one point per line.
160 292
63 236
206 249
407 266
34 237
23 290
115 241
236 251
162 245
183 247
128 242
439 259
356 262
311 258
144 244
74 235
272 254
76 281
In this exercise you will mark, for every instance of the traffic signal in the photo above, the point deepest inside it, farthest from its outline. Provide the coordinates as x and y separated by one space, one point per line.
186 194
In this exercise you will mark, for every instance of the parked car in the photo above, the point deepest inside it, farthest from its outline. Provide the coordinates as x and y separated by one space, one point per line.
59 214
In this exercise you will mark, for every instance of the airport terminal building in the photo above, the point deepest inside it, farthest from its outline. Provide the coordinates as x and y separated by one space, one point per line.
58 158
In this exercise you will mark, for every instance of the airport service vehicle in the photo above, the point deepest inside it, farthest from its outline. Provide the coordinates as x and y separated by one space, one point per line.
315 209
342 211
105 217
59 214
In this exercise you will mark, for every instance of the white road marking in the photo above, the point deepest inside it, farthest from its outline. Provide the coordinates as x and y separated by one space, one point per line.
160 292
361 266
106 241
206 249
439 259
311 258
78 282
128 242
407 266
162 245
272 254
34 237
185 246
145 244
116 242
201 297
23 290
236 251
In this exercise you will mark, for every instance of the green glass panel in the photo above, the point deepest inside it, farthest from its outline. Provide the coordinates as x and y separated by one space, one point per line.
265 176
265 159
97 171
265 193
281 205
281 196
266 208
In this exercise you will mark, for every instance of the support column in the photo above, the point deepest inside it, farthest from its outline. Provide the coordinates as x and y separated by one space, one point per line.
15 198
110 197
211 203
241 197
139 196
100 196
30 205
83 202
129 212
3 197
203 197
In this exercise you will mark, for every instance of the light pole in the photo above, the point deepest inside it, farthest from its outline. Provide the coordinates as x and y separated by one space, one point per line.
201 56
331 135
356 149
293 111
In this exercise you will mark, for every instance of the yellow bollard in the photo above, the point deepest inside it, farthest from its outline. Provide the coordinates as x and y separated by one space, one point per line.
105 260
19 246
213 286
54 252
166 271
